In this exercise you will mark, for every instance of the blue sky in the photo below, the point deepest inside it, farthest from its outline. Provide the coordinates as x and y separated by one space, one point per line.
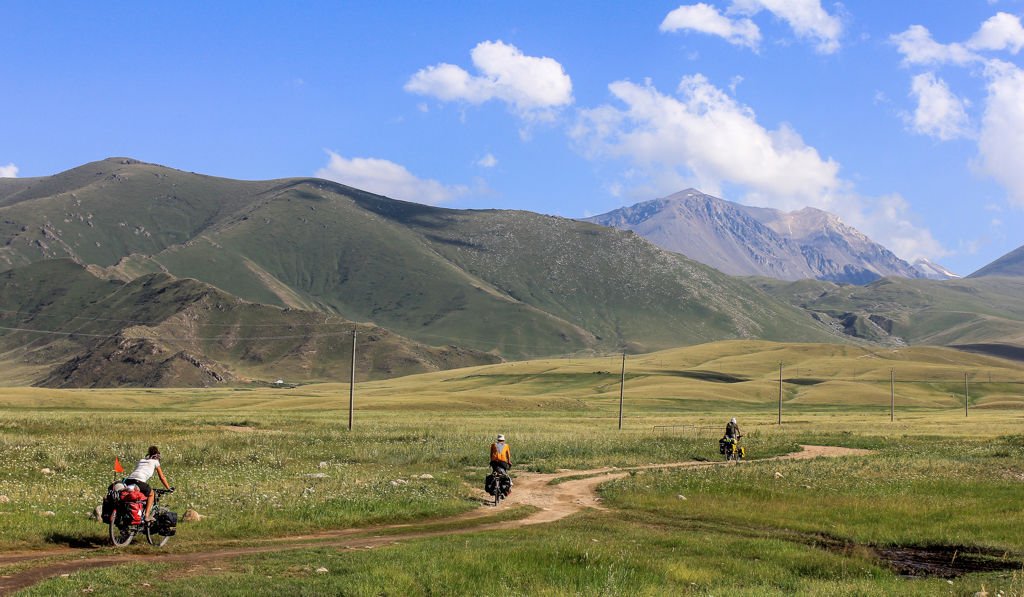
905 118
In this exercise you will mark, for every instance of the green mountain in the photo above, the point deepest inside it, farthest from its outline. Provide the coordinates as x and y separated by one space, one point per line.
1011 264
62 326
512 283
972 312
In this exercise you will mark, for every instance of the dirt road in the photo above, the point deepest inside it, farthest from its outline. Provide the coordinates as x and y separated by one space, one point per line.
553 502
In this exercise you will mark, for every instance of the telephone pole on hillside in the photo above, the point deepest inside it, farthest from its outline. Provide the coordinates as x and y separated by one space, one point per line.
892 395
352 382
780 392
967 395
622 388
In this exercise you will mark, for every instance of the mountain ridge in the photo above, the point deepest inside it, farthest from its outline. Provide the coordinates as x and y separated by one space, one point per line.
186 251
1011 264
512 283
757 241
83 331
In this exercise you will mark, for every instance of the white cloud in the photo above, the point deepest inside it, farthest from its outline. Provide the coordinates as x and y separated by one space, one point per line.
1001 135
889 221
806 17
1001 143
1001 32
707 137
533 86
9 171
706 19
918 47
939 112
387 178
488 161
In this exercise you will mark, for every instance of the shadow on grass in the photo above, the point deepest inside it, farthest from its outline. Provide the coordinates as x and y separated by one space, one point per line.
77 541
910 560
945 561
712 376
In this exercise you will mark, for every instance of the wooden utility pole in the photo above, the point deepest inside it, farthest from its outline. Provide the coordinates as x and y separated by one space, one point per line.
967 395
780 393
352 383
622 388
892 395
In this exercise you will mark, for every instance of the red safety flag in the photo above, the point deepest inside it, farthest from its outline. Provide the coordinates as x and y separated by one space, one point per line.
117 465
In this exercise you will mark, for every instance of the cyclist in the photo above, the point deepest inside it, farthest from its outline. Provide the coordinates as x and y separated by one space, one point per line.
732 429
732 435
142 473
501 456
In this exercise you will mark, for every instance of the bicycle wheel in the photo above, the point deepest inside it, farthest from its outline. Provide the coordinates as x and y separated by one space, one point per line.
155 538
120 536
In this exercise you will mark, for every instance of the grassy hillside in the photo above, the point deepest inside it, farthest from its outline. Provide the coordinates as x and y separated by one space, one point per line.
899 311
1011 264
516 283
740 376
100 212
67 328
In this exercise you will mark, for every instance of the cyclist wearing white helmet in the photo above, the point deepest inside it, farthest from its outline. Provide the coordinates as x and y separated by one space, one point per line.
732 429
501 456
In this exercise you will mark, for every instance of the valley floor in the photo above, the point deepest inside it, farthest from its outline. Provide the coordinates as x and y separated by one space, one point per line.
293 502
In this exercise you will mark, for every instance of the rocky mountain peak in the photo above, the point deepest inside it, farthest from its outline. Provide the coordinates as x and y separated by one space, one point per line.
745 240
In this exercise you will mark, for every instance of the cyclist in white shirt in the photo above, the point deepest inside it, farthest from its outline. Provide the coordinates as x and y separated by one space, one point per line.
142 473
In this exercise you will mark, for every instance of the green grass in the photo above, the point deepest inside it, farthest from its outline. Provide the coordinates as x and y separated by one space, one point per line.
922 491
517 283
966 311
242 458
595 553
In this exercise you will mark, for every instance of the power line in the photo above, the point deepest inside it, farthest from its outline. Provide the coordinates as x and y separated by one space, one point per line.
141 322
175 339
348 323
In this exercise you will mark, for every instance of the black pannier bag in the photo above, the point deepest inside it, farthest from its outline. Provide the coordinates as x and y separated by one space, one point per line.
491 483
109 501
166 523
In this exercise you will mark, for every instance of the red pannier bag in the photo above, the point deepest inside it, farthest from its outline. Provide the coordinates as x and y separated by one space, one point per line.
135 501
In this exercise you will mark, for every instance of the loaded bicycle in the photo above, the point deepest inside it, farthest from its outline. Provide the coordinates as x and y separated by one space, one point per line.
126 517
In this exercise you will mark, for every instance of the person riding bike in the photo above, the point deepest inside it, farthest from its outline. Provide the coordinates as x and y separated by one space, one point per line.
501 456
729 445
732 429
142 473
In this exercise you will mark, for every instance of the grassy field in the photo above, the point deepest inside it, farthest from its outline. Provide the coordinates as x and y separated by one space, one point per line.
266 463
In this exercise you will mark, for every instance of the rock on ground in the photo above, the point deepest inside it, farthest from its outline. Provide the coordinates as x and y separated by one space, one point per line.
192 516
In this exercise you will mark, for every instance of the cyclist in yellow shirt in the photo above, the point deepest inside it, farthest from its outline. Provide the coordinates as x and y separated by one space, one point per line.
501 456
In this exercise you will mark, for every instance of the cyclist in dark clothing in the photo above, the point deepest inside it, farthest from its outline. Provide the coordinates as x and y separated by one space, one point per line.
732 430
